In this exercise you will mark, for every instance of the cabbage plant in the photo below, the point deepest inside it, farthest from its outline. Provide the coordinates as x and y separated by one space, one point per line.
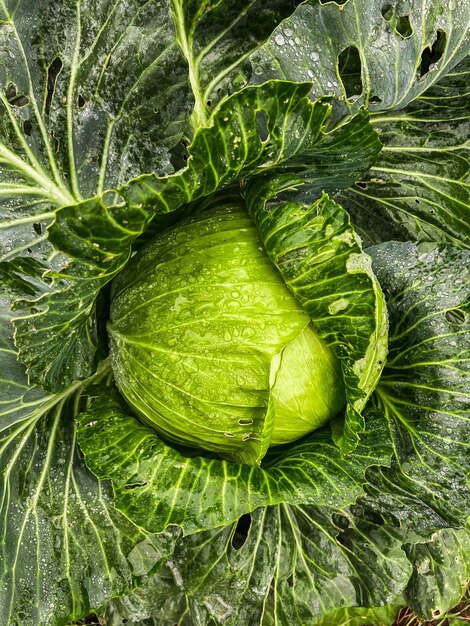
234 311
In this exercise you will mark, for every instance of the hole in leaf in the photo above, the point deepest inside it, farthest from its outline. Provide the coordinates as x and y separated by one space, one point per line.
82 403
431 55
29 250
135 485
416 200
241 531
52 73
401 24
209 103
27 128
361 185
262 125
349 70
374 100
290 581
387 12
81 101
14 98
38 228
455 317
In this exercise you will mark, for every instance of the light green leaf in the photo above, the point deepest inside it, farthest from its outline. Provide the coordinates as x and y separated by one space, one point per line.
383 55
419 188
64 549
156 485
424 389
321 260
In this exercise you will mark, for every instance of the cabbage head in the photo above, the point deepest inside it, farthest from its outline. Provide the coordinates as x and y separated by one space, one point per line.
210 347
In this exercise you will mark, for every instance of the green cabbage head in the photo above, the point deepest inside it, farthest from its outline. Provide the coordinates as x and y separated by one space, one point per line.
209 346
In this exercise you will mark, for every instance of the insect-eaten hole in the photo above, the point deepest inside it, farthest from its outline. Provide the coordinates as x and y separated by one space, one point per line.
350 71
262 125
375 99
432 54
456 317
81 101
14 98
361 184
53 72
401 24
37 228
241 531
135 485
290 580
27 128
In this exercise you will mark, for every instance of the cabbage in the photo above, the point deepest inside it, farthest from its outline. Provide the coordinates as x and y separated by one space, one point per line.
209 346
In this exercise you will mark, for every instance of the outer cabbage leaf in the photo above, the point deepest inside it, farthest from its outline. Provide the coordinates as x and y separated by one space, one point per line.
320 258
381 54
156 485
293 565
419 188
441 571
64 548
424 390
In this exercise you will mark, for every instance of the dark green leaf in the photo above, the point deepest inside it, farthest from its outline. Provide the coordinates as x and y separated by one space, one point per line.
296 565
217 39
441 570
419 188
64 548
343 156
368 52
424 390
